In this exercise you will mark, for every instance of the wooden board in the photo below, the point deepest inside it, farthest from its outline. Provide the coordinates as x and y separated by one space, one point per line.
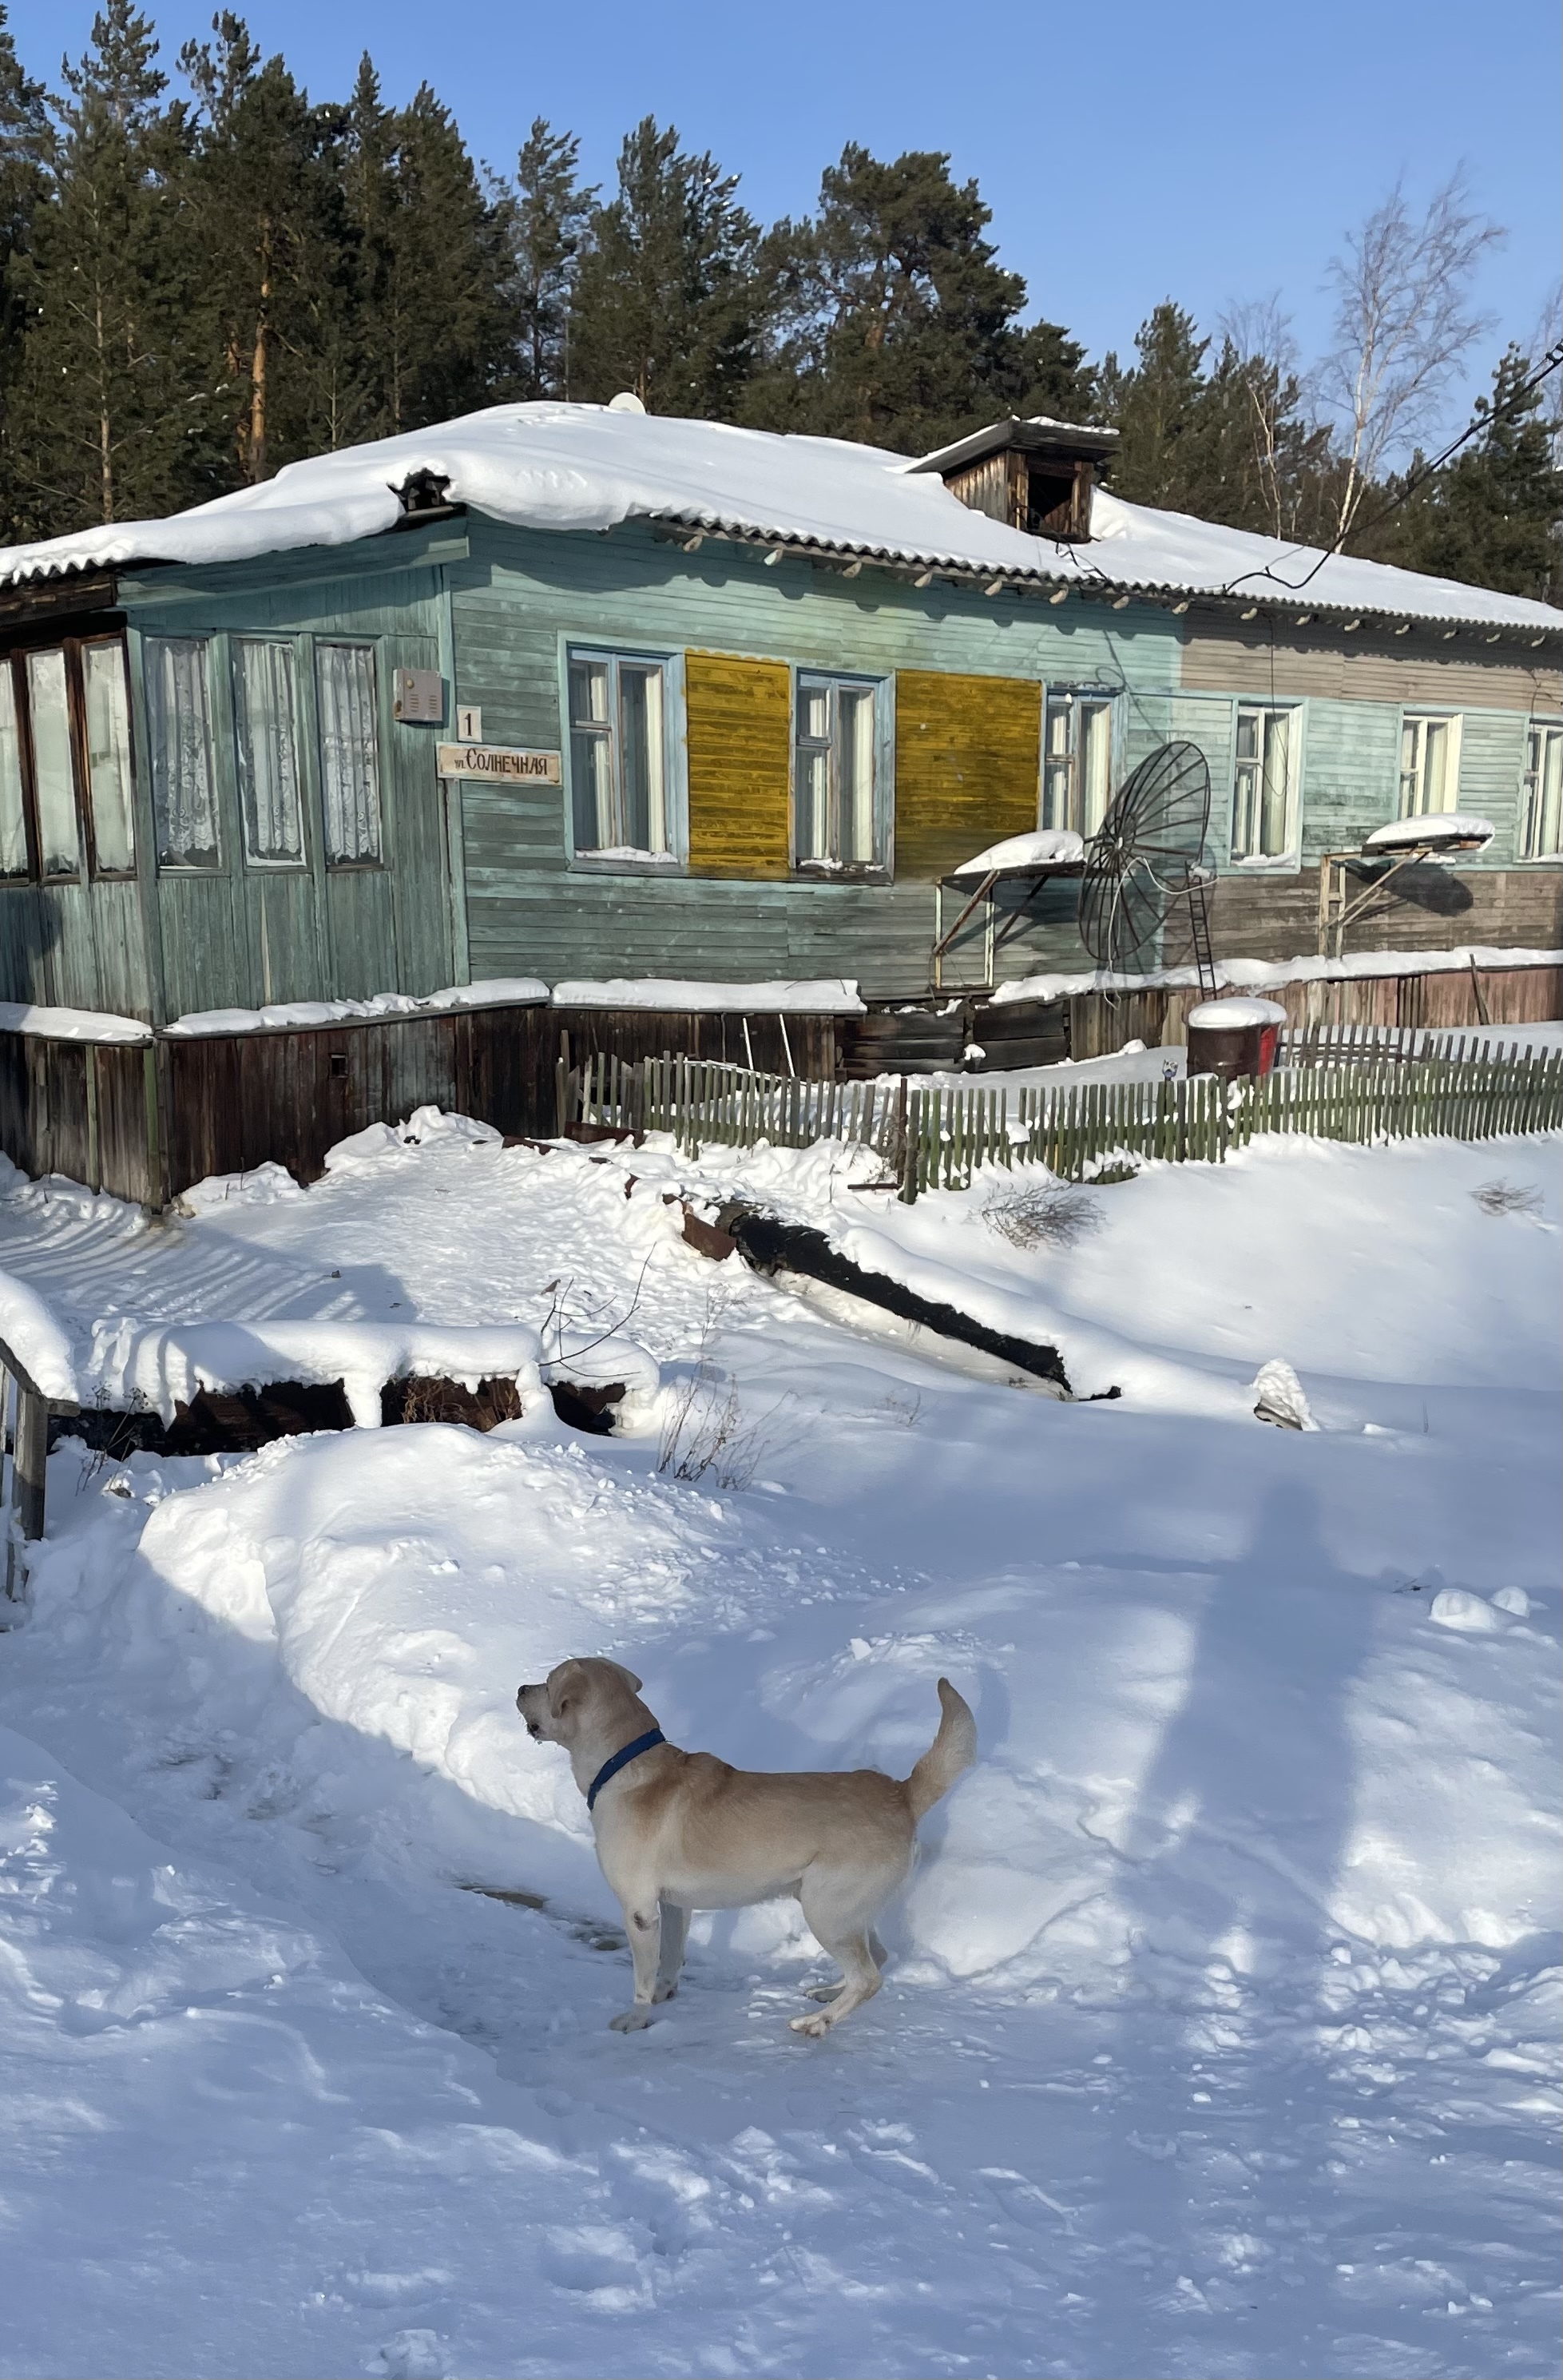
968 753
738 714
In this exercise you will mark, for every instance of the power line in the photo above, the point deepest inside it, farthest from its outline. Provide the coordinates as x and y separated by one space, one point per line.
1481 422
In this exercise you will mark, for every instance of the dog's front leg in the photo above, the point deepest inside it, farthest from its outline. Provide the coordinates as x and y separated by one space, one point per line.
642 1924
670 1956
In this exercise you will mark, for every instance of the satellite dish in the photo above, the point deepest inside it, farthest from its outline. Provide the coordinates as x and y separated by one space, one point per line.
626 402
1142 899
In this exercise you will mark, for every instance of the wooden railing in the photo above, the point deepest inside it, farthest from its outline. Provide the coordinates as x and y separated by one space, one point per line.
938 1137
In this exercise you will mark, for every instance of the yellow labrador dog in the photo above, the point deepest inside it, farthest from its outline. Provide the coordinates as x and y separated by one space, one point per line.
681 1831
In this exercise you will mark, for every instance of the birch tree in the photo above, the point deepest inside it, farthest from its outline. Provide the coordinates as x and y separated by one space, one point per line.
1405 324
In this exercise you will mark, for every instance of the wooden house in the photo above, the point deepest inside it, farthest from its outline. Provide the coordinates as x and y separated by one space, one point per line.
575 695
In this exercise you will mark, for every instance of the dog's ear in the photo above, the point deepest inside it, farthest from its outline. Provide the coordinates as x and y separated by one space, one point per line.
631 1680
564 1685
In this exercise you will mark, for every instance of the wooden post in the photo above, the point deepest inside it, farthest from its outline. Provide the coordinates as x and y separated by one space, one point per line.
32 1446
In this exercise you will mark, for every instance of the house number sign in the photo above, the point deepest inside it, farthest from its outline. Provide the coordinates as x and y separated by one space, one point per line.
494 764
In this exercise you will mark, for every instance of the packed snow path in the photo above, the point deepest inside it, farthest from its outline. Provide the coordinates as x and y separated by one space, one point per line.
1218 2037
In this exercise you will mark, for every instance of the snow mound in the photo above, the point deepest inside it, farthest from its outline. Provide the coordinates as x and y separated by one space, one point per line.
1050 847
1236 1012
822 996
1436 829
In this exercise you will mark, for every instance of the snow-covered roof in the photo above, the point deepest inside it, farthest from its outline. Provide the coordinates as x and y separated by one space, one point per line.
583 467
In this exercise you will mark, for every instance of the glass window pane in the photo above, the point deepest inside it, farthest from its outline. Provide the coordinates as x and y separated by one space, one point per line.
591 777
1058 730
1551 790
1434 765
266 741
178 728
1095 761
814 713
640 714
349 752
814 806
589 693
1244 804
108 757
1248 735
14 858
1278 756
1055 794
855 713
52 773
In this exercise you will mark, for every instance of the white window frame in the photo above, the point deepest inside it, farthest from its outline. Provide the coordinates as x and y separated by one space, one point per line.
202 860
338 861
1292 714
1413 773
627 860
268 860
830 868
1071 702
1543 738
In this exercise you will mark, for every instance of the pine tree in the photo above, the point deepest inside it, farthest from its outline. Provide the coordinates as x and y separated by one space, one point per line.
896 324
667 300
267 217
1494 517
434 333
104 420
548 225
1158 406
24 132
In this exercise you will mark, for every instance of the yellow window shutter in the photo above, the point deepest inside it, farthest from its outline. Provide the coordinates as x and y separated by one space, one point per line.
738 716
968 757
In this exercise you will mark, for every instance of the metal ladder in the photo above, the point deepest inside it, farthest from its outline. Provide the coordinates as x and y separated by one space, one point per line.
1199 930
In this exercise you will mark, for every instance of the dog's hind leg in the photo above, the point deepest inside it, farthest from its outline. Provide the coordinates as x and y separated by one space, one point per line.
670 1951
840 1910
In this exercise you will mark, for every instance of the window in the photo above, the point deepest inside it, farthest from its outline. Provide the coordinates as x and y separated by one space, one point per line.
16 856
1263 781
64 762
53 771
1541 827
266 741
179 731
835 813
349 754
619 757
1078 761
106 713
1429 766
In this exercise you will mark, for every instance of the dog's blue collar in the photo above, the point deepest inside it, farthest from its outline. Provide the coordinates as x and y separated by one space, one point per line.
611 1768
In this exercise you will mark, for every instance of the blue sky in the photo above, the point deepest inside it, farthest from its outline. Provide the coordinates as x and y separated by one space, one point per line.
1204 149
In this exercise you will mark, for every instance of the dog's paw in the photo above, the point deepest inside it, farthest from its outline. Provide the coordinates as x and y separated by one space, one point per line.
630 2019
813 2028
665 1991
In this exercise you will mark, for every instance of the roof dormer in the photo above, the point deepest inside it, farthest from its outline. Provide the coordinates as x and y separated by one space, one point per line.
1035 475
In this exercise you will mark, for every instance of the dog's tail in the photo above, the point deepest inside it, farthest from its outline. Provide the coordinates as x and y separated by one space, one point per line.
952 1750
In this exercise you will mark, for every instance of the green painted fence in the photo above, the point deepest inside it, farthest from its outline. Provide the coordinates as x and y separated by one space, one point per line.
937 1138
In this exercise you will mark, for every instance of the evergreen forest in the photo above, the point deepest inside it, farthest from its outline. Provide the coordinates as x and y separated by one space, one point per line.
208 274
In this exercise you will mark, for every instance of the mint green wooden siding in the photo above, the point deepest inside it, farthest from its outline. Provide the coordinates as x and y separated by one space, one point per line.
522 594
242 935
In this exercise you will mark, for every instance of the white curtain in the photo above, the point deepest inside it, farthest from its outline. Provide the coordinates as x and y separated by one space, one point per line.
855 742
1096 763
12 814
267 741
349 751
108 757
53 777
180 726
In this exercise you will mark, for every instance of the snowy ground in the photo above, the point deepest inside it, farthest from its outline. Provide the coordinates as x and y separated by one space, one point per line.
1219 2036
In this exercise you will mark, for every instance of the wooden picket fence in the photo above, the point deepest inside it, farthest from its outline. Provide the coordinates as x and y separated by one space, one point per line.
938 1137
1333 1045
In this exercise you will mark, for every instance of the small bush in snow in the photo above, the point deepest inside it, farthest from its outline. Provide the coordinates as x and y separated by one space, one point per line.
1508 1199
1043 1214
